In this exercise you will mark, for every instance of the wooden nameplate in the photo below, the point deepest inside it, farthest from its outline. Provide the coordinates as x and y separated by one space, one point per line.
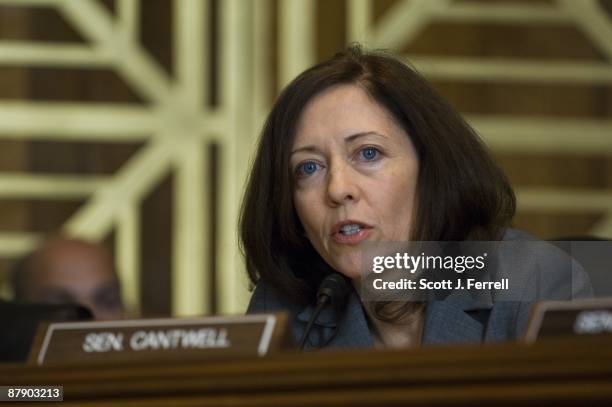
159 339
562 318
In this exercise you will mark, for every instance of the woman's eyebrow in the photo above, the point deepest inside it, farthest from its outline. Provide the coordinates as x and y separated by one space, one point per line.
356 136
347 139
309 149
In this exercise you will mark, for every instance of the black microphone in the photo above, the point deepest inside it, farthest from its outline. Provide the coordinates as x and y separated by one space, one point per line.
332 290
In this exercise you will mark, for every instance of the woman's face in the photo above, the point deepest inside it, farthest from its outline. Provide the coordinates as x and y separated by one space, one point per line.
355 176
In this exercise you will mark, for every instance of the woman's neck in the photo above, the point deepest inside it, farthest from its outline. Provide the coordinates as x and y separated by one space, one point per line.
403 330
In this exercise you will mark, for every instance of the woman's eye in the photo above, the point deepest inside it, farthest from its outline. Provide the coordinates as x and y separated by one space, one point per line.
307 168
369 153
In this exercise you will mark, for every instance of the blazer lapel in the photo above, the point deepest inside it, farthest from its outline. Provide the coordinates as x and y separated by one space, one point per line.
347 329
456 319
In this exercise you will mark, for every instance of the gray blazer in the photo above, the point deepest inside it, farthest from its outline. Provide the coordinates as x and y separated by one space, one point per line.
461 318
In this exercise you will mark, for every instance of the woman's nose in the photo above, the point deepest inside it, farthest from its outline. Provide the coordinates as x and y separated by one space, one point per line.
342 186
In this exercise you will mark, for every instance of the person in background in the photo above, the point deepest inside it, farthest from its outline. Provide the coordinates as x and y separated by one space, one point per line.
70 271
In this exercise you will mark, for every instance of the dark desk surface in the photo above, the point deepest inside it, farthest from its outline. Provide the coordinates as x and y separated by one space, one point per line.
570 371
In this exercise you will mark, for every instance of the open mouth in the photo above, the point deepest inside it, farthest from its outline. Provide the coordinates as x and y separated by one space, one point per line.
350 232
350 229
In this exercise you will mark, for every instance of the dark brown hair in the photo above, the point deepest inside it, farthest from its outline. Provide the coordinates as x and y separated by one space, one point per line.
461 193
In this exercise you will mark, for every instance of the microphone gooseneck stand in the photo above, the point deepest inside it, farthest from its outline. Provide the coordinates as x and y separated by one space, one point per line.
332 289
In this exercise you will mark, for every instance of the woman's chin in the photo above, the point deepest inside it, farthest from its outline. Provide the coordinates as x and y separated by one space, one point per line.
350 270
346 262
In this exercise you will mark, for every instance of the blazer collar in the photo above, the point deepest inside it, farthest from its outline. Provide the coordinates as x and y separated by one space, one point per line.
456 318
452 320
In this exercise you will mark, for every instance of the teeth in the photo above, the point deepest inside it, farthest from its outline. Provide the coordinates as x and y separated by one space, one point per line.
350 229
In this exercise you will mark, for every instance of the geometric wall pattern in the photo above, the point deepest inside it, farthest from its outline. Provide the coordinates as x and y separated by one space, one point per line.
176 123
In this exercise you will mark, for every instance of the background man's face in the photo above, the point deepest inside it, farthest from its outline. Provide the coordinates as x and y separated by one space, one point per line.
67 271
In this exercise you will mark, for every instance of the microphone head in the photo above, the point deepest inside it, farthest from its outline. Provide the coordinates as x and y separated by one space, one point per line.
334 286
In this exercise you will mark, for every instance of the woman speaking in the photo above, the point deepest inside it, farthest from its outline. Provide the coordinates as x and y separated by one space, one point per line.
356 150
